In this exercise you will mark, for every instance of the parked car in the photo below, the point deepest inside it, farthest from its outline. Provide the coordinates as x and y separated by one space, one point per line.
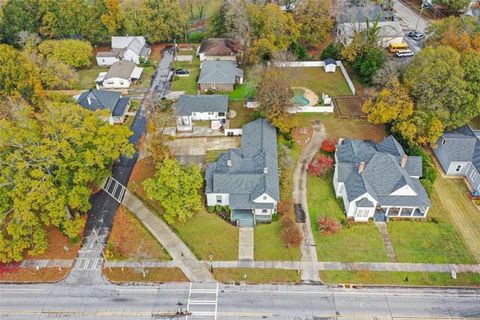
419 36
413 33
182 72
404 53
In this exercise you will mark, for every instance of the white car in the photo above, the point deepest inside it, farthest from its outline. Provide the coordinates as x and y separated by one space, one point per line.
404 53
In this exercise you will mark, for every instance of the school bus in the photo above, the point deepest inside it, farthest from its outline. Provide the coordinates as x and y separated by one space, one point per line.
394 47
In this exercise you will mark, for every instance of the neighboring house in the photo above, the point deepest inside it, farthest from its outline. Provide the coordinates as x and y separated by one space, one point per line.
219 49
132 49
106 100
246 179
191 108
219 75
379 180
390 32
329 65
120 75
458 152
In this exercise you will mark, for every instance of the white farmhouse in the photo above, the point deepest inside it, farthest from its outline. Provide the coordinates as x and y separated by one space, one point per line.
379 180
120 75
128 48
191 108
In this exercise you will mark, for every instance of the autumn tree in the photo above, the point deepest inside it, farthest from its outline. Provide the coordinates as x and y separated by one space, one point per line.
275 98
176 188
17 16
113 17
50 160
455 5
328 225
18 75
75 53
315 23
291 234
460 33
320 166
54 74
329 145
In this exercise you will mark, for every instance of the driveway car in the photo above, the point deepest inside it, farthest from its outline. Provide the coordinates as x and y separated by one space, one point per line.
404 53
182 72
419 36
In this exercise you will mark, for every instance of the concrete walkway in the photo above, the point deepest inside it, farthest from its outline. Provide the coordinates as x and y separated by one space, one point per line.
382 227
33 263
245 243
308 248
180 253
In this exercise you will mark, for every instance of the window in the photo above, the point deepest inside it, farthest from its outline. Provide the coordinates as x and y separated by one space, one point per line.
219 199
264 197
473 175
362 213
264 210
458 168
122 83
211 113
221 114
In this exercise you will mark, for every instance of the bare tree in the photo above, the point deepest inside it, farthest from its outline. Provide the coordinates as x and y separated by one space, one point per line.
141 255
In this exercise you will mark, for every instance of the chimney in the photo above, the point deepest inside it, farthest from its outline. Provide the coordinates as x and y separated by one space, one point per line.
403 161
361 167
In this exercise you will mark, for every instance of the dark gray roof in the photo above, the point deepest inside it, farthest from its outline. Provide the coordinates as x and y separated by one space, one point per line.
330 61
219 47
100 99
462 145
365 203
382 174
219 72
241 172
187 104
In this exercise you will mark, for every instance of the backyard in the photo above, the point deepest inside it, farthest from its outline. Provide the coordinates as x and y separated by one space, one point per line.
87 77
319 81
243 115
189 83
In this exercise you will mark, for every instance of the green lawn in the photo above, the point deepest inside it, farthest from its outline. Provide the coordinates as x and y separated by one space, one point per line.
398 278
212 155
361 242
319 81
144 81
475 123
187 84
243 116
206 233
434 242
269 245
87 77
257 275
242 92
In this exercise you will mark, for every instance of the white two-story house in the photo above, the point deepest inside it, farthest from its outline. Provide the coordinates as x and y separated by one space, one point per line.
190 108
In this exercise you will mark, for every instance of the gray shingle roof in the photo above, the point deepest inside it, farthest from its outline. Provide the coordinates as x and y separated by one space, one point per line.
462 145
240 172
330 61
121 69
219 72
187 104
382 174
100 99
365 203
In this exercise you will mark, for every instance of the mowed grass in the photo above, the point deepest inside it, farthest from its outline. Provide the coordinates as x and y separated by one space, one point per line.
254 276
319 81
398 278
187 84
151 275
359 243
243 115
439 241
87 77
269 245
145 78
204 233
130 240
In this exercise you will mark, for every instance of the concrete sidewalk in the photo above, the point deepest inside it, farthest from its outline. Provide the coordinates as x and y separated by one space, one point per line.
245 243
193 269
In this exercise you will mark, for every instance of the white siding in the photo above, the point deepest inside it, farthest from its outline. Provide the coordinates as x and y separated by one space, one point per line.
116 83
203 57
131 56
212 199
452 169
207 116
106 61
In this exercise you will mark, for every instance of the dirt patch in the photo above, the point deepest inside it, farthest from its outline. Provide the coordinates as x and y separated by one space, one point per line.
350 106
122 275
302 135
28 275
129 240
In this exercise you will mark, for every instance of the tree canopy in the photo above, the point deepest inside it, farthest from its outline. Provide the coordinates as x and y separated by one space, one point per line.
50 160
176 188
460 33
75 53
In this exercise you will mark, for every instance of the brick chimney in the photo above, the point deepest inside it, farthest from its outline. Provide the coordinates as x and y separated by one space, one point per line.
361 167
403 161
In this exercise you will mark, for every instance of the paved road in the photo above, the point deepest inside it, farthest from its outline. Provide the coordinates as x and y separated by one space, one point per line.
102 212
410 20
235 302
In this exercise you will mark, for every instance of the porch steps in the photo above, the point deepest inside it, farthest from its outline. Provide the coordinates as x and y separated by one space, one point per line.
382 227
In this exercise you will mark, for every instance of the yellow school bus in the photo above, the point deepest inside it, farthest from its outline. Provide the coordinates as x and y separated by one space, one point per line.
394 47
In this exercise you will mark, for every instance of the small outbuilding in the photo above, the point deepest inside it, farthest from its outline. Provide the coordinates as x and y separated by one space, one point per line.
330 65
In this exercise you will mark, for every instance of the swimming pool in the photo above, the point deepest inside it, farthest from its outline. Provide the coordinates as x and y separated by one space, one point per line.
299 99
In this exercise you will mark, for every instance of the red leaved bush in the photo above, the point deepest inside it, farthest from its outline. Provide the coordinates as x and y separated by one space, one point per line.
328 225
329 145
320 166
291 234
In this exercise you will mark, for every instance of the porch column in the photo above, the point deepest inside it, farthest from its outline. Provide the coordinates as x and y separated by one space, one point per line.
426 210
413 211
386 212
400 211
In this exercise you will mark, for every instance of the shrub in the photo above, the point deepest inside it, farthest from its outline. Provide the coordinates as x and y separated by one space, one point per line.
329 145
320 166
196 37
328 225
299 51
367 64
285 208
291 234
333 51
75 53
346 222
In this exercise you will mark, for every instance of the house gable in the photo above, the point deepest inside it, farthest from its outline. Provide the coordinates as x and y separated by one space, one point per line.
264 198
406 190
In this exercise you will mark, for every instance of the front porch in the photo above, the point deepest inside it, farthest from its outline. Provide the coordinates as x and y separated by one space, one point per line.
383 213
